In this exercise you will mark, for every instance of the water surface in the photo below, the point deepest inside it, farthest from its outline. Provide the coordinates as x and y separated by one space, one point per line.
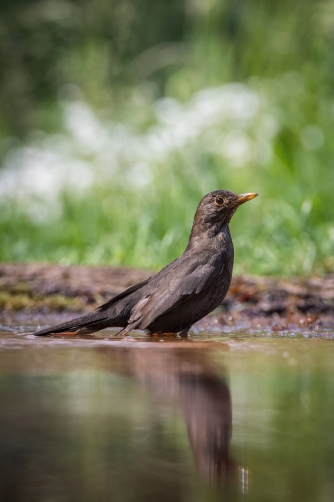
216 417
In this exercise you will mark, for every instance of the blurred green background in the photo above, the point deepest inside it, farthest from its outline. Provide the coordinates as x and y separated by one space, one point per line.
117 116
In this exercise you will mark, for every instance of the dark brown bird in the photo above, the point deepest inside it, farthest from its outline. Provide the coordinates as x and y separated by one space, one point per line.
183 292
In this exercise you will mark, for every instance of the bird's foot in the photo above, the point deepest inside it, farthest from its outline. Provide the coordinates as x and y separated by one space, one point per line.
184 332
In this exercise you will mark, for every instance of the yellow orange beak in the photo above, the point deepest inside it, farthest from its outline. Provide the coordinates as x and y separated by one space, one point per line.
245 197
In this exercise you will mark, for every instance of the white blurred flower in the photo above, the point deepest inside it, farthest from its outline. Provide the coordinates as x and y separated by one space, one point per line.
231 120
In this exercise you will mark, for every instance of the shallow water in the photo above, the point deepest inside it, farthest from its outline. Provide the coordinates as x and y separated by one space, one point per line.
139 419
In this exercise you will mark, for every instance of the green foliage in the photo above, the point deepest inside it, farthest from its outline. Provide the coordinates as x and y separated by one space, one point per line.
124 56
46 44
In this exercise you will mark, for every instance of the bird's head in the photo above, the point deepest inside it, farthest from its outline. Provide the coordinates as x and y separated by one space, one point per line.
216 210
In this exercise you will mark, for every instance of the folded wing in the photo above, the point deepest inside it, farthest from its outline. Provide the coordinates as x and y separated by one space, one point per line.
180 288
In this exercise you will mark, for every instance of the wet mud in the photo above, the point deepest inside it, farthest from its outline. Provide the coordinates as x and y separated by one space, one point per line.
48 293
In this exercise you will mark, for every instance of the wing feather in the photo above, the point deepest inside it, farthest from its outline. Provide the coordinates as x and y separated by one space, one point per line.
180 288
120 296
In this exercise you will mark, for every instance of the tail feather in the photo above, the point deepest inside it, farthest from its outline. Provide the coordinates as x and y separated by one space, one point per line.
85 324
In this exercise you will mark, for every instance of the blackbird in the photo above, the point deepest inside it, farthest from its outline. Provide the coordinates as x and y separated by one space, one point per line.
183 292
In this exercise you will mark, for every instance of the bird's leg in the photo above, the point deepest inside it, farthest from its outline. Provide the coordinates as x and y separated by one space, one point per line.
185 331
123 331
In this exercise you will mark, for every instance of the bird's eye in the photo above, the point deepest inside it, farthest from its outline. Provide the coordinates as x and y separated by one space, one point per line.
219 201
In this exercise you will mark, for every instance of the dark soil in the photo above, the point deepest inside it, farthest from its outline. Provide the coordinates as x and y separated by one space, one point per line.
252 301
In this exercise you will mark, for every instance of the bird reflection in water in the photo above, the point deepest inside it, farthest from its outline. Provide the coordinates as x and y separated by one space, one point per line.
185 376
65 420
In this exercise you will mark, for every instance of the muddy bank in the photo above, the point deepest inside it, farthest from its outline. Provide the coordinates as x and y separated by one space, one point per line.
256 301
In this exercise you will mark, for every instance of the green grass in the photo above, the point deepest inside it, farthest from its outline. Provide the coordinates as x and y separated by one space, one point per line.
288 229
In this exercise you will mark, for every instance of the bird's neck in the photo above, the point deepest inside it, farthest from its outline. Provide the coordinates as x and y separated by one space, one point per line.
213 235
